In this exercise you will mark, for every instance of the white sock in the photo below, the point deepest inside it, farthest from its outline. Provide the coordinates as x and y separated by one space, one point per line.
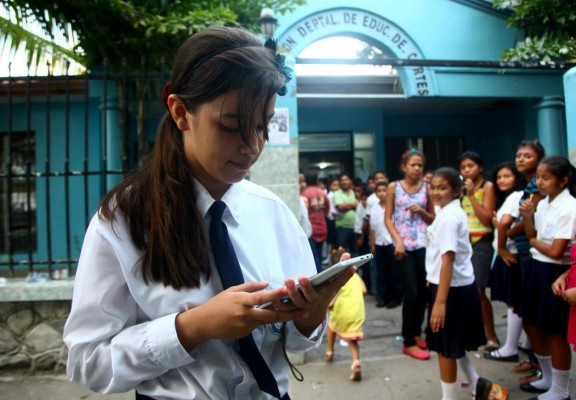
513 334
469 371
546 368
559 389
449 391
525 344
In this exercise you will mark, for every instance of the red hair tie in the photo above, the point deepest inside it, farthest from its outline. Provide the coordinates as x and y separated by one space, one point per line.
165 94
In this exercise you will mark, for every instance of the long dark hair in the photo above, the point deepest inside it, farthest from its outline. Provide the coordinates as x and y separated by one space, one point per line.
519 182
159 200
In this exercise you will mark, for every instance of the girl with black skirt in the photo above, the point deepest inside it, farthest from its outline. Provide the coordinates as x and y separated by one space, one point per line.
455 325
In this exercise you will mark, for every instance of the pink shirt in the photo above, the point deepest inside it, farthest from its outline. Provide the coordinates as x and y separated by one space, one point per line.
318 207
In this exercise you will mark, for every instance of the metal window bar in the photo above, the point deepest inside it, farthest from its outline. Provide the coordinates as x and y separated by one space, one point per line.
29 166
47 180
67 170
8 184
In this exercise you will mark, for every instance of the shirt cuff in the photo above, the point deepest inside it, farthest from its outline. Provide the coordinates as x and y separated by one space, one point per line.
164 345
298 343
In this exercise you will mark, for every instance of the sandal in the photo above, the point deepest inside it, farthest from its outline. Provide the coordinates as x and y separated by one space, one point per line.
532 377
356 371
525 366
328 356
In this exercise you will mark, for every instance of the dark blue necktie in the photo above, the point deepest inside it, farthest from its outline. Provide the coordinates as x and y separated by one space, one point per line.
231 275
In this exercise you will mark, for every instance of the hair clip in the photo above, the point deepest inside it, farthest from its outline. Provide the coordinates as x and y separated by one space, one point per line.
281 61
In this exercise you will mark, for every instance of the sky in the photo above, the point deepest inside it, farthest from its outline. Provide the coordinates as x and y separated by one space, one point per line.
18 59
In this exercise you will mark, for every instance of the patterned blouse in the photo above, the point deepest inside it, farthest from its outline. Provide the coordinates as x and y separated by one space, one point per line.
410 226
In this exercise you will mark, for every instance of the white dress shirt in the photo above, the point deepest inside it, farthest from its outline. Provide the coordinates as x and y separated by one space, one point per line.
382 236
121 332
510 207
361 213
449 232
555 220
372 200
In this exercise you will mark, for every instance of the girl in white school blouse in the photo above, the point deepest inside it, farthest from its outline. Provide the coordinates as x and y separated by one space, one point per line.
153 310
455 317
551 230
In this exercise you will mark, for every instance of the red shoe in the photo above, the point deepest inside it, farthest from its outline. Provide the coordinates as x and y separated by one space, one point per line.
421 343
418 353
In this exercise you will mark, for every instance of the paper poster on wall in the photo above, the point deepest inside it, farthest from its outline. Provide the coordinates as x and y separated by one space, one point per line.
278 129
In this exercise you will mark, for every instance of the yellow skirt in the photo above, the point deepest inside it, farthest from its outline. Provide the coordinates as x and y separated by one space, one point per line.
348 314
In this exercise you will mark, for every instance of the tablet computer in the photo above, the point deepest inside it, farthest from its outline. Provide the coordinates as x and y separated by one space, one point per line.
330 273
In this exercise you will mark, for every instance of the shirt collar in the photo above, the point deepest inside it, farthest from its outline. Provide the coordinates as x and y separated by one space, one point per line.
232 198
451 204
559 200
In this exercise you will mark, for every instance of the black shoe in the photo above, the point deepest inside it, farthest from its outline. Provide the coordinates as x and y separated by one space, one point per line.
483 388
527 387
393 304
380 304
497 357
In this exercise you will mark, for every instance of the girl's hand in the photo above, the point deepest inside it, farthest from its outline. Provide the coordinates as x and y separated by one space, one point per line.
469 186
415 208
494 220
313 300
559 285
399 251
527 209
232 314
507 257
437 317
570 296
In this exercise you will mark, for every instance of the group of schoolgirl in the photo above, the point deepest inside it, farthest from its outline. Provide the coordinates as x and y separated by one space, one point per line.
530 273
533 271
535 230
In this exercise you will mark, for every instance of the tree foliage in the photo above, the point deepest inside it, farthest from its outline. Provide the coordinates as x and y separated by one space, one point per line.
550 27
36 47
130 29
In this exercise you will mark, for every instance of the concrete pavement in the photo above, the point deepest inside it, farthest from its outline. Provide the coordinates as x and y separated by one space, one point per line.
387 373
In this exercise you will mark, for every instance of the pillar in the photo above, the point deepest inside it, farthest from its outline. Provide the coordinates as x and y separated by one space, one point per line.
551 130
570 98
277 168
